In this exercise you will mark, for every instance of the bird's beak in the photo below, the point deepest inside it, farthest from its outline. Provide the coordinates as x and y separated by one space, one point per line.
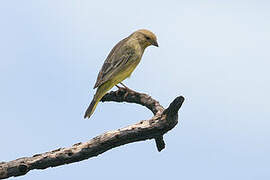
155 43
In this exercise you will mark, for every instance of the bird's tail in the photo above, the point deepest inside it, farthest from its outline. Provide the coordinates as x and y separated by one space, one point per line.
91 108
101 91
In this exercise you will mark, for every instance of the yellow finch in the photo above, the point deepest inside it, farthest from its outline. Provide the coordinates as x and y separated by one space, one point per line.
120 63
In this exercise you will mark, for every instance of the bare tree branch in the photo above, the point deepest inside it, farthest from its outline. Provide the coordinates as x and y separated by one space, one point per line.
154 128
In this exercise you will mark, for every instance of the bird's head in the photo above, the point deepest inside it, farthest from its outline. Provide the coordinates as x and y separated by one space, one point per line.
146 38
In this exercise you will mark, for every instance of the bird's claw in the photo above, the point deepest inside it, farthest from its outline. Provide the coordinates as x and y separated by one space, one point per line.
125 89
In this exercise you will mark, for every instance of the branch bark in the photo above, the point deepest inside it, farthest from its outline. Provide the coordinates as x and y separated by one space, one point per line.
154 128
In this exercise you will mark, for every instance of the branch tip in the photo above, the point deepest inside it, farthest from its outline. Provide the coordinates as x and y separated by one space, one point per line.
174 107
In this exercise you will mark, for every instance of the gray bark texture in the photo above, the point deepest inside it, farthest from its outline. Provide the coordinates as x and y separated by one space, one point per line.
154 128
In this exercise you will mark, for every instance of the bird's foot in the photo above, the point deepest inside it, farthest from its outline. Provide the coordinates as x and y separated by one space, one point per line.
121 89
126 89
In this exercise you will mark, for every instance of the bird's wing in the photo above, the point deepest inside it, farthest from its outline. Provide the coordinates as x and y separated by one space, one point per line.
118 57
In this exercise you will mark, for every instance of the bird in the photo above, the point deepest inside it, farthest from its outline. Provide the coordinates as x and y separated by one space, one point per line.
120 63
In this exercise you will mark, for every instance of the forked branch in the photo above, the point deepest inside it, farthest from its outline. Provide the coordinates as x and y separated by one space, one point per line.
154 128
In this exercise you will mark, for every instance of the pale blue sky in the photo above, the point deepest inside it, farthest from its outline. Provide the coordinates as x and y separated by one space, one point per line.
215 53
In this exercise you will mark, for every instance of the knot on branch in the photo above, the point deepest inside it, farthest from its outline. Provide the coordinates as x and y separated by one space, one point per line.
23 168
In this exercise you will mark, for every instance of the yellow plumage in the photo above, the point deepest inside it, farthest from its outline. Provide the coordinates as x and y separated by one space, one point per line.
120 63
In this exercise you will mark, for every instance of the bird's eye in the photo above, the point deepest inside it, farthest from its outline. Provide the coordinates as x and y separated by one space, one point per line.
148 38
